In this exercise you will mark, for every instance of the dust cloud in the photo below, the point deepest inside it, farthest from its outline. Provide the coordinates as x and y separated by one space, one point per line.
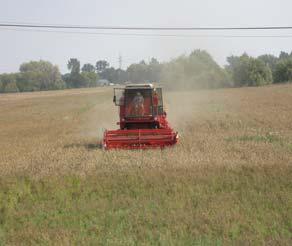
183 109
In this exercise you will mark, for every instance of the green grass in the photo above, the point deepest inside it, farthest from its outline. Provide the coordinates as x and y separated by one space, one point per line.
243 205
268 138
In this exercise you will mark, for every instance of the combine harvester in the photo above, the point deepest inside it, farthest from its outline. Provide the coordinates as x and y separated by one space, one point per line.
143 123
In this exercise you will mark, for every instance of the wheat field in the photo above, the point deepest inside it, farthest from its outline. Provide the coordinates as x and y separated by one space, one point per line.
228 181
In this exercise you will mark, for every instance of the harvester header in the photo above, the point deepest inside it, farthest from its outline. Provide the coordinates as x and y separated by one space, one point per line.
143 122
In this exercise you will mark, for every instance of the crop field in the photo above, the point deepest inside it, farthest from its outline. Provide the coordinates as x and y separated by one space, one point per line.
228 181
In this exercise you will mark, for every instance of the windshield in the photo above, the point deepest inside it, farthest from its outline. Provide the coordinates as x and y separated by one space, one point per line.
138 102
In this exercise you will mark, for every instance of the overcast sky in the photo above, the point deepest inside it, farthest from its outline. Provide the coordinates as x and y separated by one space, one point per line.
17 47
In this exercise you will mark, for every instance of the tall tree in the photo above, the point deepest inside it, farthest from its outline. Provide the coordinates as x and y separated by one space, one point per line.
138 72
74 66
39 75
154 70
101 65
269 60
75 79
283 71
89 79
283 55
110 74
248 71
142 62
88 68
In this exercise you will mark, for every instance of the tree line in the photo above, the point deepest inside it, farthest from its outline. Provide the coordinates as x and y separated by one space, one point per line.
194 71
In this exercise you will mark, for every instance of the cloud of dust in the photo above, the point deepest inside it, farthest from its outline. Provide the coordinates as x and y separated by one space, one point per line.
102 115
182 107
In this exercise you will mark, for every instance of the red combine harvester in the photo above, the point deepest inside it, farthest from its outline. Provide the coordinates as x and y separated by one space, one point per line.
143 122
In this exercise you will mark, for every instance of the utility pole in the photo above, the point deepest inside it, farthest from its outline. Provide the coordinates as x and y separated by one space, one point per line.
120 61
120 68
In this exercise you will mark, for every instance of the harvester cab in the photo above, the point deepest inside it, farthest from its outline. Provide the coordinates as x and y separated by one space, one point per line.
142 122
139 106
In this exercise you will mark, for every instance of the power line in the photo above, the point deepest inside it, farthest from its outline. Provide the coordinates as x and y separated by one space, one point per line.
144 34
222 28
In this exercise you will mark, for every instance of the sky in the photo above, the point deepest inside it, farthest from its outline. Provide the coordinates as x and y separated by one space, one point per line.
18 46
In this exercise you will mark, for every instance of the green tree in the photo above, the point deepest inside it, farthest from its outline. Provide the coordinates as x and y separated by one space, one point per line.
75 79
238 68
138 72
122 76
248 71
283 71
74 66
8 82
39 75
11 87
29 81
88 68
1 85
110 74
154 70
101 65
284 55
269 60
89 79
259 73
